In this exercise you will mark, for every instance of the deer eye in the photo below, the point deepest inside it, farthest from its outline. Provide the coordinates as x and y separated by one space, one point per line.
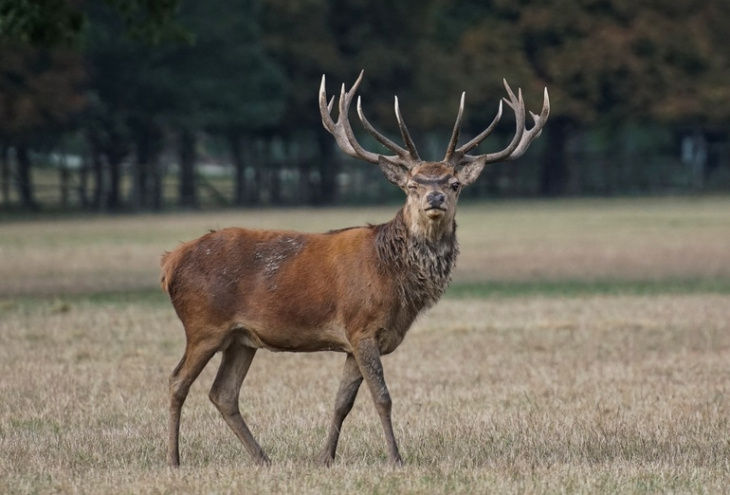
455 185
412 186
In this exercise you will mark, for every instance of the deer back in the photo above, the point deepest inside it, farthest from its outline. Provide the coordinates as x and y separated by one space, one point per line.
286 290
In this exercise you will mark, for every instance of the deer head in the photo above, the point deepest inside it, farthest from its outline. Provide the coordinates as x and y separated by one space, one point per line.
432 188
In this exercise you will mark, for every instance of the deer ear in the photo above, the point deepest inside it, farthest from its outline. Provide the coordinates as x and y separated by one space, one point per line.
394 172
470 172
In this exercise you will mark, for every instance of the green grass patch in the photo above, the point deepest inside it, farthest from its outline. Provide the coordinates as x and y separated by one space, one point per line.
66 302
153 296
480 290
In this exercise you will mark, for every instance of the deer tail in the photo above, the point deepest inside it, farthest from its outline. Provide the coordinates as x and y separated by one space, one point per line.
168 263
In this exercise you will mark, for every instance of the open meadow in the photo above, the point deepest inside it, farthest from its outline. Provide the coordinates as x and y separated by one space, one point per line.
584 347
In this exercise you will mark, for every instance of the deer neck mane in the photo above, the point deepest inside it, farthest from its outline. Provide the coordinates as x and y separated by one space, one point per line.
422 265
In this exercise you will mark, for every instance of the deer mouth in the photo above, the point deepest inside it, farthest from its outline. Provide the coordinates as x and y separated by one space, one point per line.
435 212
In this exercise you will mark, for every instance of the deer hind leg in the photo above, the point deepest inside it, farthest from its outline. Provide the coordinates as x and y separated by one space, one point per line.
368 359
225 391
194 359
349 385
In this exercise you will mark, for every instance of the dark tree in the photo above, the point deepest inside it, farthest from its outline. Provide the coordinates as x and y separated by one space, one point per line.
52 23
40 91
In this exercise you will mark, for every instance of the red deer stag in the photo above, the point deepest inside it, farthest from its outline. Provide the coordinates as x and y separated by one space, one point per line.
355 290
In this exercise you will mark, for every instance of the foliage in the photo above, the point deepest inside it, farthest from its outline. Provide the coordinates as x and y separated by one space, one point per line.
38 89
250 69
226 73
28 21
50 23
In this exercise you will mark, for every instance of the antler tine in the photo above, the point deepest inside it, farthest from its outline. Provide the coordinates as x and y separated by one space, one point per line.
456 132
325 110
477 140
345 136
344 109
341 130
461 153
400 152
327 121
536 130
518 105
404 133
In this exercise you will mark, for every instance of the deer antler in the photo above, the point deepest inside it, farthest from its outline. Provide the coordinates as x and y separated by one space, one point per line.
520 142
345 137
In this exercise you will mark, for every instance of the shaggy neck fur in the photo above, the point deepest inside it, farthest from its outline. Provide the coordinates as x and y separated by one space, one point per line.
422 264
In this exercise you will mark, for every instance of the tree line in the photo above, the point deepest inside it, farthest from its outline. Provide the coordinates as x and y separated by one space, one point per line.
145 92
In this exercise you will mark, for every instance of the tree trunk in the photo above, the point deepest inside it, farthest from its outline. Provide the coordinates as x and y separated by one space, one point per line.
138 193
146 185
257 159
113 197
328 169
235 143
24 179
274 168
275 184
96 169
5 175
305 180
188 180
115 148
554 172
100 181
695 155
157 180
63 178
84 184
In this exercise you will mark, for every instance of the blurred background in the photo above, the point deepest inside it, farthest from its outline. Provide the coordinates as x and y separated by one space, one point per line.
143 105
583 346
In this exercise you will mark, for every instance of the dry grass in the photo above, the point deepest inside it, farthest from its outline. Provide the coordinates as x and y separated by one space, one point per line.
533 394
641 239
572 240
517 395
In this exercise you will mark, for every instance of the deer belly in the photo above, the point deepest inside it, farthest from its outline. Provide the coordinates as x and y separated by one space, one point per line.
327 337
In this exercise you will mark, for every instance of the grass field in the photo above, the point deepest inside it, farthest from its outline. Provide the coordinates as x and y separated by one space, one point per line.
583 348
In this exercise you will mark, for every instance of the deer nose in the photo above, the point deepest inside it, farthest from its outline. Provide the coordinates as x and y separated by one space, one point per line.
435 198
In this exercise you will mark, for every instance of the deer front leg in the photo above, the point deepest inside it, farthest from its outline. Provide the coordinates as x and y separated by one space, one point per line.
349 385
367 355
